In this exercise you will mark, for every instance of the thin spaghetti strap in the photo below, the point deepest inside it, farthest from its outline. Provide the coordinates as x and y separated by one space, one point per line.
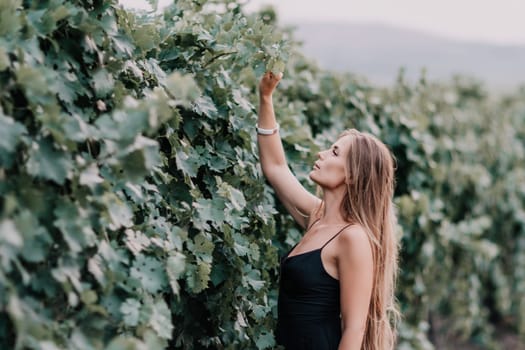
313 223
337 234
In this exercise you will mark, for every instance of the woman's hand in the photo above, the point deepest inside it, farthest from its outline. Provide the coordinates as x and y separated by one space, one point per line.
268 83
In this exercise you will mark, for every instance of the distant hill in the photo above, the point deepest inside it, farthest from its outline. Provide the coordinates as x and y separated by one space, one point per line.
377 52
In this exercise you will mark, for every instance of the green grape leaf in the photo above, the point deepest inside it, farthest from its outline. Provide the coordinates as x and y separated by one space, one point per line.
60 13
182 88
160 319
260 311
239 98
35 84
150 272
143 156
4 58
209 211
198 276
73 223
76 129
136 241
187 164
253 278
236 197
218 274
68 271
146 36
10 18
10 239
37 240
42 21
48 345
254 251
240 244
103 82
276 66
265 341
124 48
126 343
175 266
95 267
10 235
203 246
80 340
154 4
130 309
204 105
10 132
119 212
47 162
90 176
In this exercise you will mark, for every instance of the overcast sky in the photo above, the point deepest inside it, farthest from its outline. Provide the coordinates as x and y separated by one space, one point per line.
494 21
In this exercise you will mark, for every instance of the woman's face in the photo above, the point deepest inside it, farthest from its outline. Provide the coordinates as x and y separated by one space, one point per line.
329 170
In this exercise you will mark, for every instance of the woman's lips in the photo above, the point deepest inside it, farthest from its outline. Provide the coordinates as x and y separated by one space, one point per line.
316 166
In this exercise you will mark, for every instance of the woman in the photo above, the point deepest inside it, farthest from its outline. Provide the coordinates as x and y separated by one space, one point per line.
337 284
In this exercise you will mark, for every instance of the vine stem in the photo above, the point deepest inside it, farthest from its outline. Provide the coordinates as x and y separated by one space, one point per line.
216 57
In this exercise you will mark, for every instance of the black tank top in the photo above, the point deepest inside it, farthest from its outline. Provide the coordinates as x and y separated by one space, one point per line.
308 305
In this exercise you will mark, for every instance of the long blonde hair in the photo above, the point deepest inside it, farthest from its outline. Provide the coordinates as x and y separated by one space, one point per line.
368 201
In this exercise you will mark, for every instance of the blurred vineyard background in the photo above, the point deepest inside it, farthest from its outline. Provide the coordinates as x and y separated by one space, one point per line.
134 214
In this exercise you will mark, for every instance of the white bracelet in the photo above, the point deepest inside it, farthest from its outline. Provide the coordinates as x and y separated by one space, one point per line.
262 131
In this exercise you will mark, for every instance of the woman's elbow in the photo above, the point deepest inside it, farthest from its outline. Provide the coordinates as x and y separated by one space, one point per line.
270 172
355 328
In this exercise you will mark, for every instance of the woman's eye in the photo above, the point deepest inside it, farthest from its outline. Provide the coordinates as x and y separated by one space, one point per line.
333 151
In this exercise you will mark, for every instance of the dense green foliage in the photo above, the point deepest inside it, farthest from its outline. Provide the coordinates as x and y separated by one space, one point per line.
133 210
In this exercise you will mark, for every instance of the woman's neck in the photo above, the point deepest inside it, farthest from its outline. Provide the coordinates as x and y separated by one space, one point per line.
332 208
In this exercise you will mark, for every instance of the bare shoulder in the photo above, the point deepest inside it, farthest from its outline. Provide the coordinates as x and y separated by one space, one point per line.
354 243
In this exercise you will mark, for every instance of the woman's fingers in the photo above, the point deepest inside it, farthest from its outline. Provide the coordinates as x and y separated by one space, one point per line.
269 81
273 76
277 76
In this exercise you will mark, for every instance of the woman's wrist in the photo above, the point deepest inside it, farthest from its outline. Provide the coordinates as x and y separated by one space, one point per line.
266 98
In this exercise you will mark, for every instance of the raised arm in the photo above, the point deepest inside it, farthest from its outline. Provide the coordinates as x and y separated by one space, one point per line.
297 200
